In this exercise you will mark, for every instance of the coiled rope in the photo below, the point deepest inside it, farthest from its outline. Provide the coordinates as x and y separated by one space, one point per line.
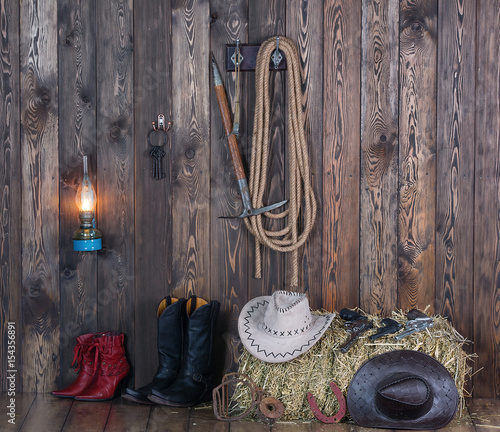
288 239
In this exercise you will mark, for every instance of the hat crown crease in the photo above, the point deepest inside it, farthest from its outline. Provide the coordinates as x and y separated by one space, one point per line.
289 316
411 390
406 397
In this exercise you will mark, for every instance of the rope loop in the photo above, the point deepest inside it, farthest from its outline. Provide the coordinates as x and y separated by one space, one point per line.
302 206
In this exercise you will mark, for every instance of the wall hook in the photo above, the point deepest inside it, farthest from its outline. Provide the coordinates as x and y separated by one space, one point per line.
237 58
157 152
161 124
277 57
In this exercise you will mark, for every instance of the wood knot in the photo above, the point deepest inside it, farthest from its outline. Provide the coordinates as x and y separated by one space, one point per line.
115 132
45 98
190 153
416 26
68 273
34 291
104 251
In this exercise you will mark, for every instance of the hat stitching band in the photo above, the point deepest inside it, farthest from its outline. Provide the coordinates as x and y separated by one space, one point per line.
289 333
288 353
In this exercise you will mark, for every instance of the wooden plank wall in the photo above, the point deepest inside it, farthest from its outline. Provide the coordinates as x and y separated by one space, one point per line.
401 103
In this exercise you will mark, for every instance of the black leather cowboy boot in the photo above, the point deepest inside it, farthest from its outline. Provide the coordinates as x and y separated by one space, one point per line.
194 383
171 328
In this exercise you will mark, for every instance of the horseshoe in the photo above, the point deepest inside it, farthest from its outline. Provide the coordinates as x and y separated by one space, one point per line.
319 415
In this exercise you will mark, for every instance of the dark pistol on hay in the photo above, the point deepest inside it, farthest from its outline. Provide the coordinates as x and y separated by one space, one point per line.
389 326
356 325
417 321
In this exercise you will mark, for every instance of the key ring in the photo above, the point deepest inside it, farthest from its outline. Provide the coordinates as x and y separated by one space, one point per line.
149 142
157 152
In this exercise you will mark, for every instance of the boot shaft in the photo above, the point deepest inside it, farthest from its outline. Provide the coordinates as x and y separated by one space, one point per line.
198 345
84 354
171 331
110 354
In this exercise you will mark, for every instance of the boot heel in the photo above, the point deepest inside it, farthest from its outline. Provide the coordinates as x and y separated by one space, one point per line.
84 358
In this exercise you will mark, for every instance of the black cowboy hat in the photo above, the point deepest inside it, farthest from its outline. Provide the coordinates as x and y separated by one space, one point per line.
402 390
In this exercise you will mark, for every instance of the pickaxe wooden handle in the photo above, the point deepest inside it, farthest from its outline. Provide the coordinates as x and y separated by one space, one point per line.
234 150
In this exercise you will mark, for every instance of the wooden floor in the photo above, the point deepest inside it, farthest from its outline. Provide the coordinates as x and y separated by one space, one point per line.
45 413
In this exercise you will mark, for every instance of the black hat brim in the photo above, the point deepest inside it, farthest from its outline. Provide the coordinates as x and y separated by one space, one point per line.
365 383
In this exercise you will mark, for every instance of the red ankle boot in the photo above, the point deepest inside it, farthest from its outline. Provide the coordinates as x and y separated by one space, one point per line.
112 367
85 357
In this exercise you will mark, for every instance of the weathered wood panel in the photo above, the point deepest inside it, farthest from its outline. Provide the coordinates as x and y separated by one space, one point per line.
229 244
126 417
46 412
77 112
267 19
191 148
487 203
379 158
40 193
153 204
177 419
455 167
402 117
90 417
115 168
484 413
305 26
10 186
24 402
341 153
417 153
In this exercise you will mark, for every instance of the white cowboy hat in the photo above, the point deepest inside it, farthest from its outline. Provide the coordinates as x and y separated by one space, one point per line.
280 327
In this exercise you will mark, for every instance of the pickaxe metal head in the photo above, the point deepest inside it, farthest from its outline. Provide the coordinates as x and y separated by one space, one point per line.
247 203
255 212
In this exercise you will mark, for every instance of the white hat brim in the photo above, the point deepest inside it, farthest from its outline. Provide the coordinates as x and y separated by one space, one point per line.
272 349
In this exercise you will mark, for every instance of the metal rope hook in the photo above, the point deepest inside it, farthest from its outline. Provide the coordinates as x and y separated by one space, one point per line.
161 124
277 57
236 123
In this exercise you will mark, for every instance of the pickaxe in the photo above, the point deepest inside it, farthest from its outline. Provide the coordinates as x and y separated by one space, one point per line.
234 151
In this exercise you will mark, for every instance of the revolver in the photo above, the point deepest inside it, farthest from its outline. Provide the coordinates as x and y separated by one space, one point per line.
417 321
389 326
356 325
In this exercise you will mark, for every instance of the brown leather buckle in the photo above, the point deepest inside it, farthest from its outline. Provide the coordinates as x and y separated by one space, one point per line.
317 412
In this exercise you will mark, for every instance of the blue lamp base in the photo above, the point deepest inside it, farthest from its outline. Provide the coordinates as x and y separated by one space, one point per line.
87 245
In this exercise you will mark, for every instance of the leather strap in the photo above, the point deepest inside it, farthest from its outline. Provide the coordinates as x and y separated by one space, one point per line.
319 415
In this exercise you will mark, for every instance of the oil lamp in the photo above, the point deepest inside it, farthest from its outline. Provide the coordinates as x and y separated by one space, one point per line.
87 238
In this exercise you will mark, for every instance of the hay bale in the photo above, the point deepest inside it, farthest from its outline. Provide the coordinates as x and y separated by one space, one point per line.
313 371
